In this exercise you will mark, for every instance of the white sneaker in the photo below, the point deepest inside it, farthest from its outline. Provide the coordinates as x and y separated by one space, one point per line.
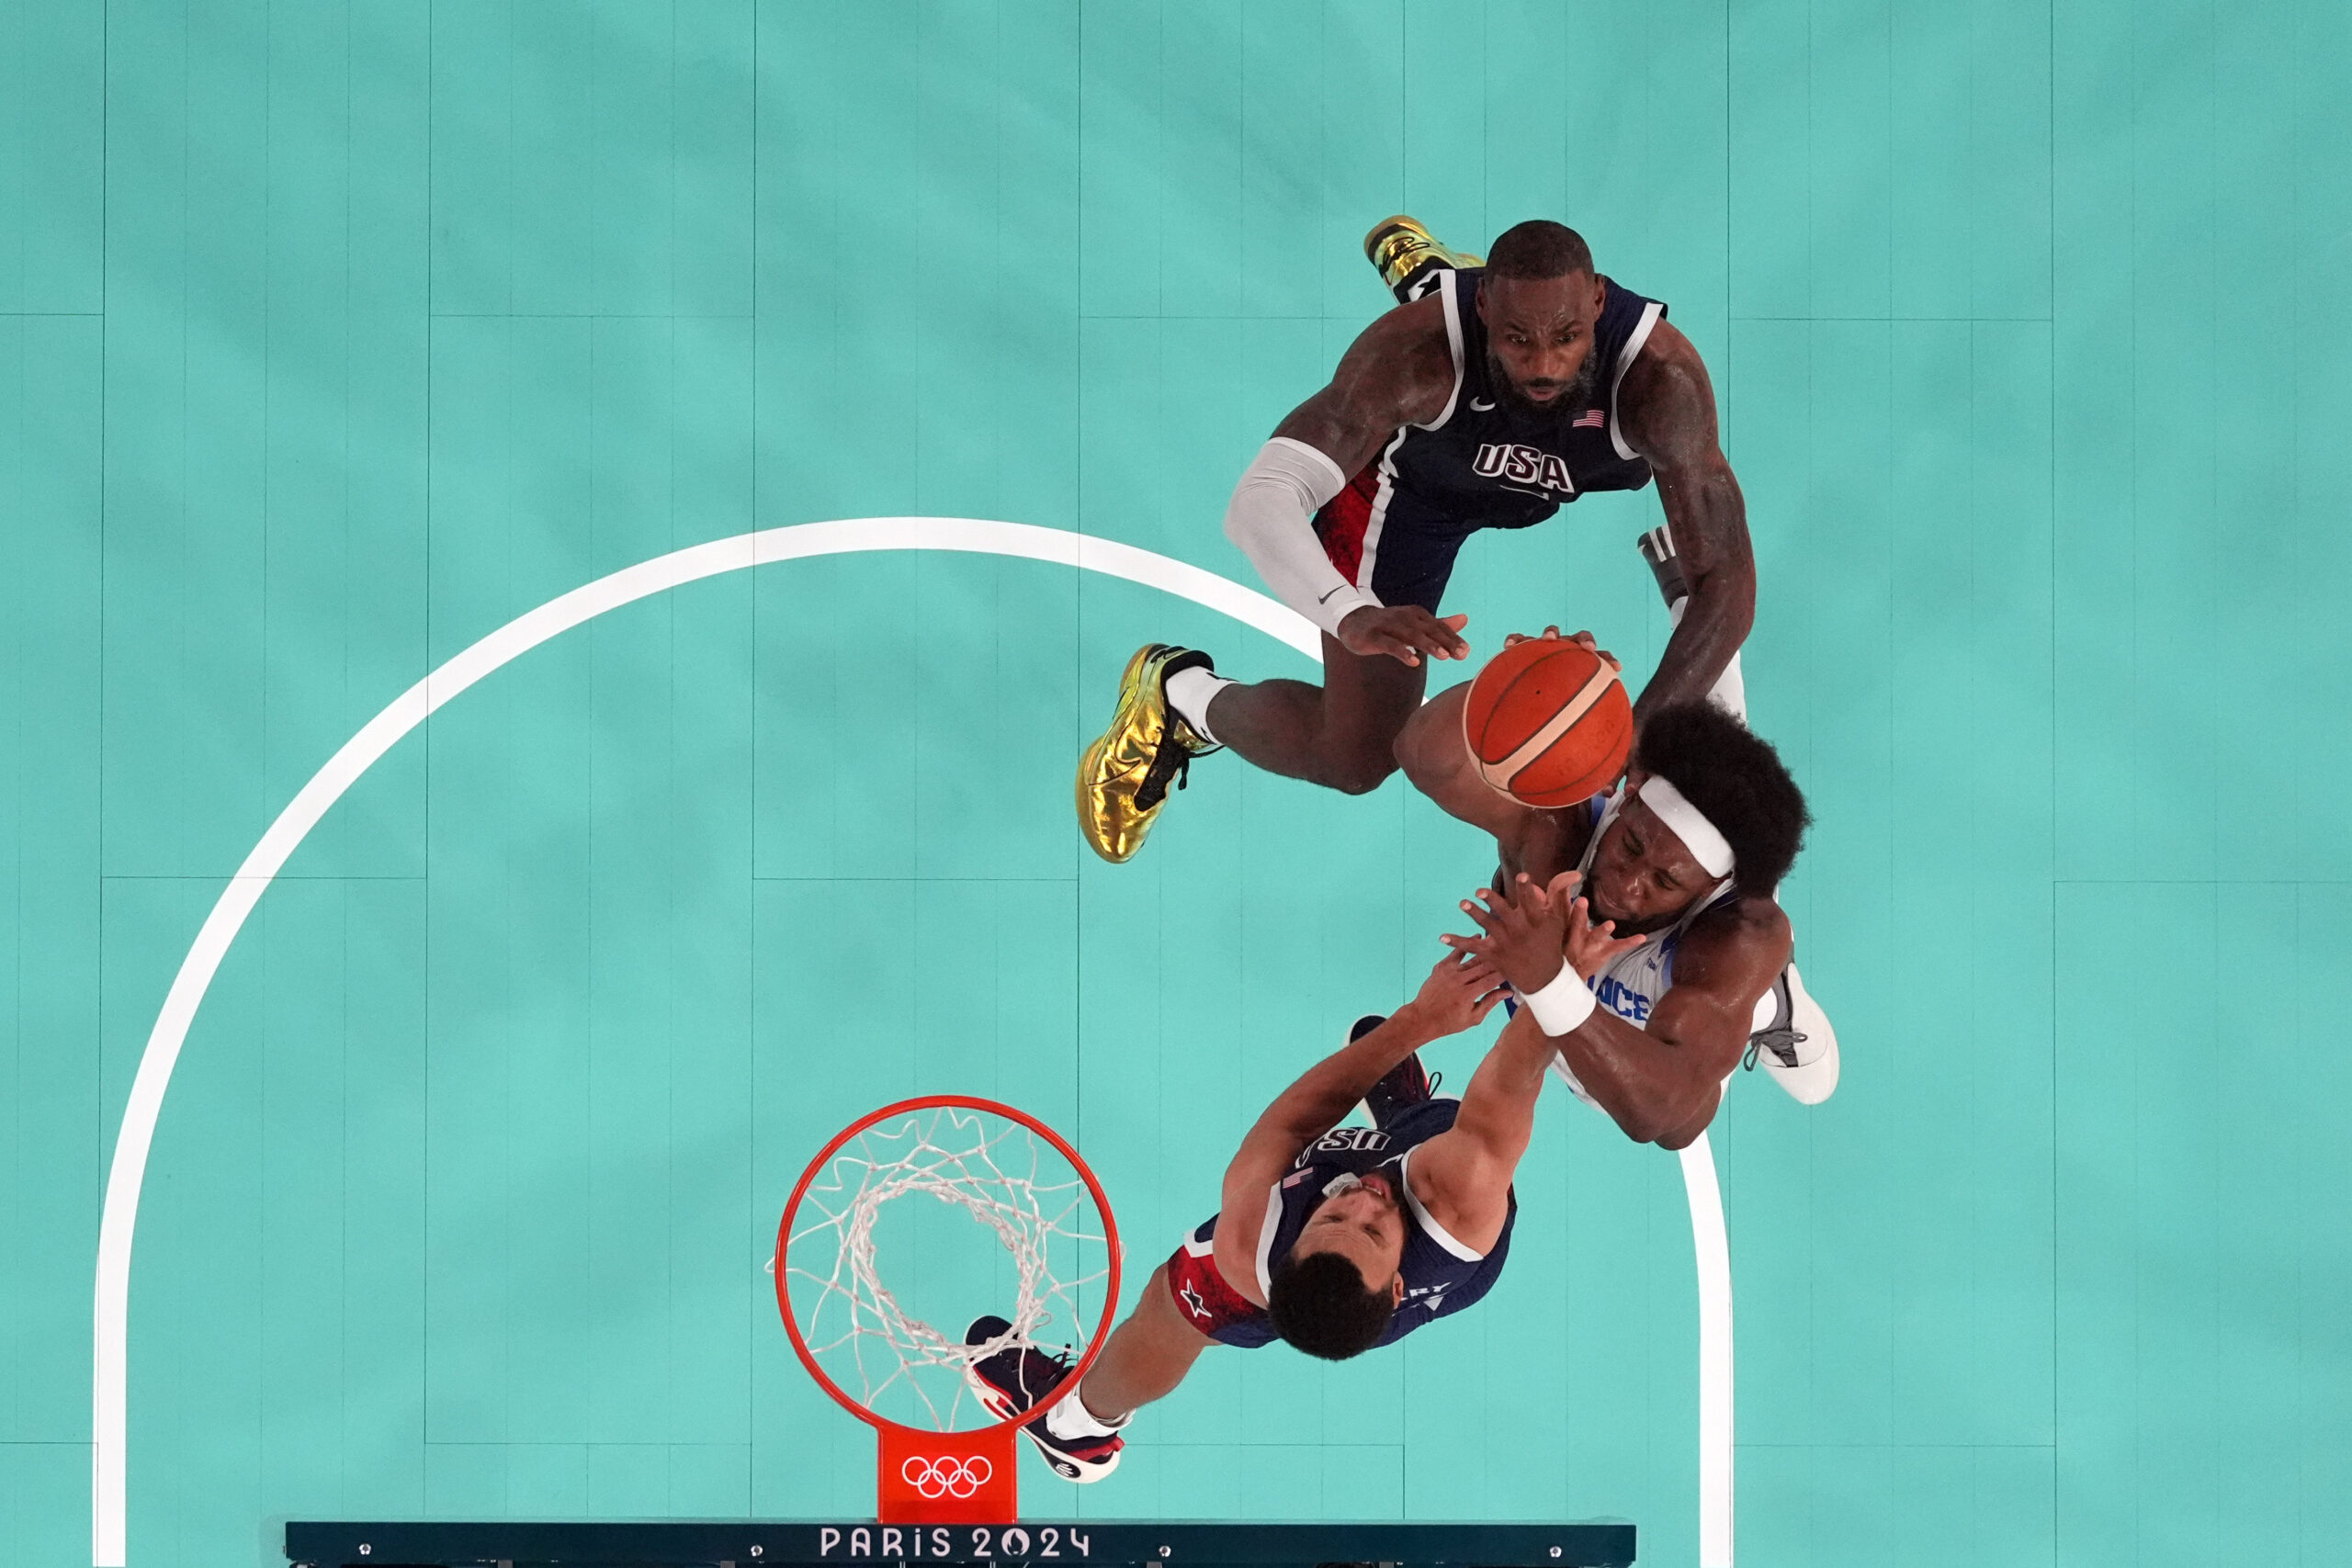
1798 1047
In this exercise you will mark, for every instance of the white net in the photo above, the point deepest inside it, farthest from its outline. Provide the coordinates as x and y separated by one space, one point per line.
1041 1263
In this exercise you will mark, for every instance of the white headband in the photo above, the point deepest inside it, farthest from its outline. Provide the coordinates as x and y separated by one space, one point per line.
1688 824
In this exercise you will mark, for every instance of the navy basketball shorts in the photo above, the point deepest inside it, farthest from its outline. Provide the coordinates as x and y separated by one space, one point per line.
1395 547
1206 1302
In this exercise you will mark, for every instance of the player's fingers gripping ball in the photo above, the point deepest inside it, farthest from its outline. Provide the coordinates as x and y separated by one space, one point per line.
1548 722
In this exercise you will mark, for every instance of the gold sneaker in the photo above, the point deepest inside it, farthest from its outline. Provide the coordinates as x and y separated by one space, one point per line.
1399 247
1123 777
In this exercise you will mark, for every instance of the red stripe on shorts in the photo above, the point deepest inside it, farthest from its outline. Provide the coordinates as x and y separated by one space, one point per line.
1207 1303
1345 518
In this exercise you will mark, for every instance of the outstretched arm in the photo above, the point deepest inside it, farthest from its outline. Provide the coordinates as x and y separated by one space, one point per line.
1398 372
1668 410
1435 758
1660 1084
1460 991
1463 1174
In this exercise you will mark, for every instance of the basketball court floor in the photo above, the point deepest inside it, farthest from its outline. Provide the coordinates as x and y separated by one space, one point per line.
334 339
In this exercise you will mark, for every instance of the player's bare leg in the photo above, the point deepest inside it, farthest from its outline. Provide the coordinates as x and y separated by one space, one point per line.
1146 1357
1340 735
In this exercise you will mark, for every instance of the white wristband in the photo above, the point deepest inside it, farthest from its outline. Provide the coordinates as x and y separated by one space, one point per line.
1562 1005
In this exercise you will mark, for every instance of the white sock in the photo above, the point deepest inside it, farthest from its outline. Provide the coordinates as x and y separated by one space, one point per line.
1189 692
1071 1420
1730 690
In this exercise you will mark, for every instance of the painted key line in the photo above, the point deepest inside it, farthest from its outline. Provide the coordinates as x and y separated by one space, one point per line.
110 1387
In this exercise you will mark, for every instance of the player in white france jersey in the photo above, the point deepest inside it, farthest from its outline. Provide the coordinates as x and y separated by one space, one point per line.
1685 857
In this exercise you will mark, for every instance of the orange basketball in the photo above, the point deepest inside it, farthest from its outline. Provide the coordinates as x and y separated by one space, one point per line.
1548 722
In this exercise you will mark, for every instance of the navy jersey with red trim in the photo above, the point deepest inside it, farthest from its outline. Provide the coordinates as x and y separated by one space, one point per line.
1486 461
1441 1276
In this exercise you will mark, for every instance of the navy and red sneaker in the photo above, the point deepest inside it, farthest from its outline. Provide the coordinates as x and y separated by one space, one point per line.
1406 1085
1017 1380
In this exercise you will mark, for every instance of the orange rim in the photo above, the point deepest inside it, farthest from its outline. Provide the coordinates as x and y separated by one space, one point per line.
928 1102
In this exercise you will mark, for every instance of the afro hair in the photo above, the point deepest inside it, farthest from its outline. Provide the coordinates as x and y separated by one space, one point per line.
1736 780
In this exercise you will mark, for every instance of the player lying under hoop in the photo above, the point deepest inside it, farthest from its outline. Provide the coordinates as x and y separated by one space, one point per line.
1337 1239
1684 856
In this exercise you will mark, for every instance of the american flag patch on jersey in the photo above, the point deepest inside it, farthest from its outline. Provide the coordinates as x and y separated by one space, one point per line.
1592 418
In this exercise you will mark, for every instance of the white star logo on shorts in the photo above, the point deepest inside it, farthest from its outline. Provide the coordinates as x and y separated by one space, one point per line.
1193 1303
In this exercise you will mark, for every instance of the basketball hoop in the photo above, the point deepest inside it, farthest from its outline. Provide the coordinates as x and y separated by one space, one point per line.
945 1457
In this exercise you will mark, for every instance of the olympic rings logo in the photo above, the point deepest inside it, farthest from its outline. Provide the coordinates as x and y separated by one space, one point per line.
949 1477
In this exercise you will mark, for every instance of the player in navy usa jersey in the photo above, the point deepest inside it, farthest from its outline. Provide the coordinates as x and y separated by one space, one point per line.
1490 397
1335 1239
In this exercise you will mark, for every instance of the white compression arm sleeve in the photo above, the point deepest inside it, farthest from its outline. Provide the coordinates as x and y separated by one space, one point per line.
1271 518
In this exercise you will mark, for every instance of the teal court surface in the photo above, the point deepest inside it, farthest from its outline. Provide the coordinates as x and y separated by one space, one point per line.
426 1170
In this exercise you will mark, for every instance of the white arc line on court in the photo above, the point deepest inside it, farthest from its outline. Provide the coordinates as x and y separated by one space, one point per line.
1711 1242
110 1386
